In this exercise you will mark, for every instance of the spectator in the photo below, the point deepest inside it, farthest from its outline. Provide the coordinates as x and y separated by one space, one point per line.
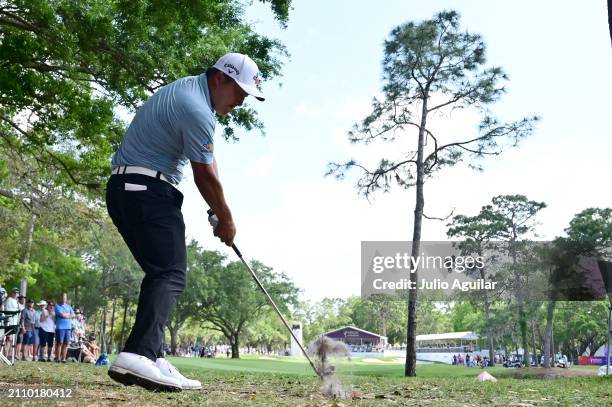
21 306
46 332
51 309
3 296
36 344
77 325
90 350
27 324
63 321
11 304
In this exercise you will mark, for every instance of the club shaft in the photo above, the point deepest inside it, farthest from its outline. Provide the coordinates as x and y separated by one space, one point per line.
263 289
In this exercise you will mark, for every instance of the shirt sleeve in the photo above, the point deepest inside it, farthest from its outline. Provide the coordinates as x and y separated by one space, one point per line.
197 131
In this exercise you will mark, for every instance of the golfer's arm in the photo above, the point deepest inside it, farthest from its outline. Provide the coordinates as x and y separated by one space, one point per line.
207 180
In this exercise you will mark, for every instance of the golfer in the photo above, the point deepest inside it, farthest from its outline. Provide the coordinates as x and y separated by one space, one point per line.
176 124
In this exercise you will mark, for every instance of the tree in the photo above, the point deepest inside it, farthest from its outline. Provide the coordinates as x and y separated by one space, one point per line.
589 234
113 277
67 64
580 326
382 314
38 212
430 68
230 301
593 229
514 218
267 333
478 232
189 303
325 315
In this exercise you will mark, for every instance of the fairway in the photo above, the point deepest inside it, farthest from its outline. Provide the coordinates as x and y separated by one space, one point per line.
386 367
289 382
299 366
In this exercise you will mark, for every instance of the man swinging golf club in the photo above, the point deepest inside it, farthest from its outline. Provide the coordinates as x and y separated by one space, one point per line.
175 125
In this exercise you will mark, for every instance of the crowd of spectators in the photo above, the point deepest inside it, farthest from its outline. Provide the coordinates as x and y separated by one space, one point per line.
471 360
48 331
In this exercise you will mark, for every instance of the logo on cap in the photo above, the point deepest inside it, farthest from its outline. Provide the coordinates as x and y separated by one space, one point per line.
256 79
231 68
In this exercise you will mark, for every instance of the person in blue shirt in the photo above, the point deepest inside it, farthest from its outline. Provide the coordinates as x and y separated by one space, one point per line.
63 328
174 126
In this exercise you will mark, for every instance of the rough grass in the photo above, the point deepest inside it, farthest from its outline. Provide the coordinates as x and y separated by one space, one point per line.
288 382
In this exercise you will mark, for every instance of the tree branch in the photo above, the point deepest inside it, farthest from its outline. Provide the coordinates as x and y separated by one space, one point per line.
16 21
442 219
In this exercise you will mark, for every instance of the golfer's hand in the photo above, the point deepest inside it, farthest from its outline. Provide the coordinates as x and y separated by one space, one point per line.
226 231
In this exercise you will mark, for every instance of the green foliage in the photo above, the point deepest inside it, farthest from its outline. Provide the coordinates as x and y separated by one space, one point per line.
580 325
428 68
67 65
382 314
593 229
226 297
324 316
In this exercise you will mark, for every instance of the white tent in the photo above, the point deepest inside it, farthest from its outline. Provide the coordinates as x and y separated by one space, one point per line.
449 335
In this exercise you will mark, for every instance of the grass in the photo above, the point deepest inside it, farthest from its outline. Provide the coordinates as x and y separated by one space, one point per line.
289 382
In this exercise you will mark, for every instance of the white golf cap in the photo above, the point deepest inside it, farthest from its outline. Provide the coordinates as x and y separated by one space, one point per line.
42 302
243 70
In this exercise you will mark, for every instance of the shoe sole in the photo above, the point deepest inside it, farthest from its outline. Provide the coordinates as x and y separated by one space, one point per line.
192 388
128 378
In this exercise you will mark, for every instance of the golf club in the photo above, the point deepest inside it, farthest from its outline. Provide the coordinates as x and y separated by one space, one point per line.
213 220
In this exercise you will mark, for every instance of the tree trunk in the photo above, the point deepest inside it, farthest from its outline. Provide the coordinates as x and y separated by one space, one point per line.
111 339
103 348
487 315
173 336
234 345
124 324
410 367
533 342
383 323
522 316
552 343
23 286
550 312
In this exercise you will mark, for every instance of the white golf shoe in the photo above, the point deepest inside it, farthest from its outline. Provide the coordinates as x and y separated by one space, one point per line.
130 368
167 369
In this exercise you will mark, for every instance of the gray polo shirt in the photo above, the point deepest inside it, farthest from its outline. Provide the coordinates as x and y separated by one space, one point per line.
176 124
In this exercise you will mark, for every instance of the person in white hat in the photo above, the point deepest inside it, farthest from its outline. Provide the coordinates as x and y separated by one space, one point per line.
46 332
175 125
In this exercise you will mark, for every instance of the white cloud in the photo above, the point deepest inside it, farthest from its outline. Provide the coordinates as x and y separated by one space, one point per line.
260 168
354 108
308 110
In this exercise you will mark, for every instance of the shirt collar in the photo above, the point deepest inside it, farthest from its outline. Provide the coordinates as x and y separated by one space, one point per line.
204 85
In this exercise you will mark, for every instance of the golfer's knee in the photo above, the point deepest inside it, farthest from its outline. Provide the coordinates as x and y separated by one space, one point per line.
177 280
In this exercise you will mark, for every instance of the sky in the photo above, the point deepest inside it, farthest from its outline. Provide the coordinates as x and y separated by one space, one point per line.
291 217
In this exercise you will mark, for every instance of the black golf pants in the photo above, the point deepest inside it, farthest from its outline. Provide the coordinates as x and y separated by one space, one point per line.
147 213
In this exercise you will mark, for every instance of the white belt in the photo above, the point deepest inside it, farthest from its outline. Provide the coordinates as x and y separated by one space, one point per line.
128 169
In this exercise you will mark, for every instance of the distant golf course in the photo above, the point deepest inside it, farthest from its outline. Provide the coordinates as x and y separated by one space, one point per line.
289 381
